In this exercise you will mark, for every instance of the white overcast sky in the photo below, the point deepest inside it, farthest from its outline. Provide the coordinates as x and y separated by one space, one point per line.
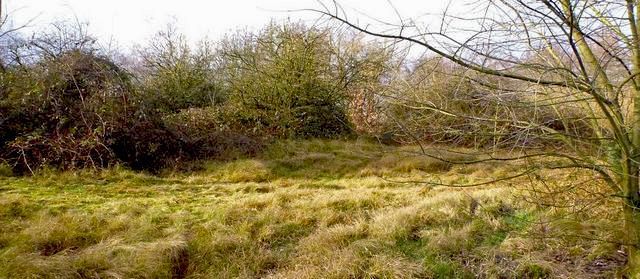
133 21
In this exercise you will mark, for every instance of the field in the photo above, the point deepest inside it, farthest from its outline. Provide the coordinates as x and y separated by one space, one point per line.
303 209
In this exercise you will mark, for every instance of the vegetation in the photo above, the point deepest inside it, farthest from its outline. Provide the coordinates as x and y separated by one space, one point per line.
565 56
299 151
72 106
303 209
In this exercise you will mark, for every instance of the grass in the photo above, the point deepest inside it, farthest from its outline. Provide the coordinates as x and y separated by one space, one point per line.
303 209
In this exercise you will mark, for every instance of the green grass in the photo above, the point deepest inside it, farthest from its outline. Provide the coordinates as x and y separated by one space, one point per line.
303 209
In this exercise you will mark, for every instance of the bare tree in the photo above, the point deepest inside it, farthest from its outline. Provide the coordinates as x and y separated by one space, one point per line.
555 53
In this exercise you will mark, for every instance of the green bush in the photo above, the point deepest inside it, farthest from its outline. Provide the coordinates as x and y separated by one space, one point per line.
176 76
282 79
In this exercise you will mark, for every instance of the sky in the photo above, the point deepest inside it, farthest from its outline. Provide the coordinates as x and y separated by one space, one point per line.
131 22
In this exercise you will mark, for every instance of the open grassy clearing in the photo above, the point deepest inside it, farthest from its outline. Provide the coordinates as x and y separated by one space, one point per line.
312 209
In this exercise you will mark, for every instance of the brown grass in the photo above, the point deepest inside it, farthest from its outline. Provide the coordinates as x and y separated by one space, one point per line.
312 209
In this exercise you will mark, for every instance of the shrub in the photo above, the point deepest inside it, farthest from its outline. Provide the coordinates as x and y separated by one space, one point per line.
175 76
211 133
155 143
283 80
439 102
145 145
73 101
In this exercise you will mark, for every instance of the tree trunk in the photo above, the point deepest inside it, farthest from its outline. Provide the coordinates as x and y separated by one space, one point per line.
632 227
632 188
632 217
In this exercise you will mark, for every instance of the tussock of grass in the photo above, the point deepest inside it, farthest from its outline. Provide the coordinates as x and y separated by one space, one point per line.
310 209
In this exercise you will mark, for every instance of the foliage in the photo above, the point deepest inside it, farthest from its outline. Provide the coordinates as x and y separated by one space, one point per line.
283 80
177 77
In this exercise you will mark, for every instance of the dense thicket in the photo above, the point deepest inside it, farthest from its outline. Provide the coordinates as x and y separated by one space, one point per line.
439 102
65 103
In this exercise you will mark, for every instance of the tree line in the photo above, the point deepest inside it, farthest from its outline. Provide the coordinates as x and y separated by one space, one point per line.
67 103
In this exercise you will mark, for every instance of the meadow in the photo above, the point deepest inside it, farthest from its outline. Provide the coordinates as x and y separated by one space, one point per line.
300 209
